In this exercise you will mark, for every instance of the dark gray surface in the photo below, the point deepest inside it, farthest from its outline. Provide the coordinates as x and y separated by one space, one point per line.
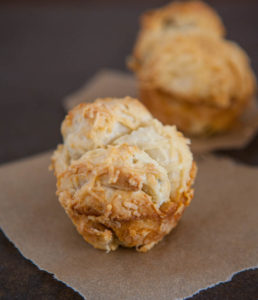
48 51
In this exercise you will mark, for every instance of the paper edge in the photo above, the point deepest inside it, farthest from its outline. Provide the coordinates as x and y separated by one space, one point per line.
228 279
68 102
219 282
26 158
37 265
208 156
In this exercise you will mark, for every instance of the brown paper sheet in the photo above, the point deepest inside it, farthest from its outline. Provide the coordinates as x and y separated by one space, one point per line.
106 83
217 236
110 83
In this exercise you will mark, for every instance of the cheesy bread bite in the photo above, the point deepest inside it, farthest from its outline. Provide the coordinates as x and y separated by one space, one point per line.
123 178
189 75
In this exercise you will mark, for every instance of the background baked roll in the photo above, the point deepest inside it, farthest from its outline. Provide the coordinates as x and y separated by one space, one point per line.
128 190
194 79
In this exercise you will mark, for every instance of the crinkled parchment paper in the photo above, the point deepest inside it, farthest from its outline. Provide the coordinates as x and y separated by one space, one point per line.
217 236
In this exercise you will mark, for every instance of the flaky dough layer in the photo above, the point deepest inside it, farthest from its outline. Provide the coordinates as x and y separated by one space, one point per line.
188 74
128 190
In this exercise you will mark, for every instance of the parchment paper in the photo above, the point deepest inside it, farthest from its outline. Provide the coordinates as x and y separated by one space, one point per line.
106 83
217 236
110 83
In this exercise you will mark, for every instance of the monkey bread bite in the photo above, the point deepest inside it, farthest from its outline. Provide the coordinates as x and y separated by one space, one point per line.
122 177
189 75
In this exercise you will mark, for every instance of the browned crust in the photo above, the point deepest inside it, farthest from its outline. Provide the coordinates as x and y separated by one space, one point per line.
106 228
195 112
89 112
192 118
115 194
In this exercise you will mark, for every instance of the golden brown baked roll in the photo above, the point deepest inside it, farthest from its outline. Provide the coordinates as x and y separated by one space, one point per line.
130 178
192 78
200 83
